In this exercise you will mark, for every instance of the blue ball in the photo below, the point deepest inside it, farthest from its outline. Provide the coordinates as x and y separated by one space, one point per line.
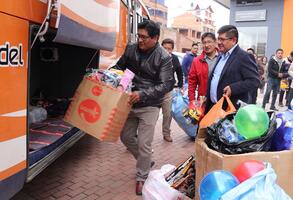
215 184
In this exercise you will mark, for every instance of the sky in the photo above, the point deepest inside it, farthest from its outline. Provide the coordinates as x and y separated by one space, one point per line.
177 7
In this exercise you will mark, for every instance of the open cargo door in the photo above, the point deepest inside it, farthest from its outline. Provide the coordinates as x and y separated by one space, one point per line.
92 24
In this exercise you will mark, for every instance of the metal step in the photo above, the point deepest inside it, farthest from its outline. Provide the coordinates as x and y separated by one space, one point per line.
39 166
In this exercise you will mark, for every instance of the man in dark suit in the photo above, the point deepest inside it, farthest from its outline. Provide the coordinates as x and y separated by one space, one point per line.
235 72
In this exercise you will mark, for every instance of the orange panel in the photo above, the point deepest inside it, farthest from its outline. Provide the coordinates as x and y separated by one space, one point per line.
287 30
14 35
13 126
34 10
12 170
13 79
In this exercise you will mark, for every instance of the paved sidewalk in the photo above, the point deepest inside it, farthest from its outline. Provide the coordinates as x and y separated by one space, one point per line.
93 170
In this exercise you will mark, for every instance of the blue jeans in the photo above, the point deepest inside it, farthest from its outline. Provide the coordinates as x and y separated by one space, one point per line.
273 84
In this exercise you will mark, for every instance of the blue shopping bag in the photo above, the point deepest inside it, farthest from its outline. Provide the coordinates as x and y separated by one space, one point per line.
179 103
259 187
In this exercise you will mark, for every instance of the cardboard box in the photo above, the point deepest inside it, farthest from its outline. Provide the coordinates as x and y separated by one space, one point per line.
208 160
98 110
201 134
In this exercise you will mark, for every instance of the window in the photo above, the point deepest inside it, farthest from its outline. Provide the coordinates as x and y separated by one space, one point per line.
254 37
248 2
184 50
193 34
183 32
139 18
151 11
162 2
131 23
198 34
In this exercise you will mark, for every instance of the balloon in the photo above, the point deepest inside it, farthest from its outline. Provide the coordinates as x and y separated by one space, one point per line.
216 183
247 169
251 121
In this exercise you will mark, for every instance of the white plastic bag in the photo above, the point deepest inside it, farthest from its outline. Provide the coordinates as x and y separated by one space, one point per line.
259 187
156 187
36 114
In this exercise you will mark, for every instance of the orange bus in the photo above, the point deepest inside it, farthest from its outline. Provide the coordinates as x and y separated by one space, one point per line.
45 48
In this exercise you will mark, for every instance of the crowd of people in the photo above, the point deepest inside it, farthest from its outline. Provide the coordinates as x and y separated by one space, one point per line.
223 68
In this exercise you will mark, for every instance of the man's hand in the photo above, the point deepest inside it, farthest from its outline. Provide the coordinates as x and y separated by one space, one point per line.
280 75
227 91
191 103
134 98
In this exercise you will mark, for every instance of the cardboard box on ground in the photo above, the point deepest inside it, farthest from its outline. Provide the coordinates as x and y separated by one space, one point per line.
208 160
99 110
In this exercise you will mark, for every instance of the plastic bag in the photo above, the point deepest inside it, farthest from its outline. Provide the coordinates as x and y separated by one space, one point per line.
259 187
282 139
180 103
218 143
217 112
156 187
36 114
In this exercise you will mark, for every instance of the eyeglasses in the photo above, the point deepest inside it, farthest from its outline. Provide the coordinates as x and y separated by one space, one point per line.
142 37
223 39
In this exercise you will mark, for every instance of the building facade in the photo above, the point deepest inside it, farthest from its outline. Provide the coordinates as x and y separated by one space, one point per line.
263 24
158 11
191 24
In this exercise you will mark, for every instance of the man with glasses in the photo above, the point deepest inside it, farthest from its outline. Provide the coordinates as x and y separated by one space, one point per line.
154 78
235 72
202 67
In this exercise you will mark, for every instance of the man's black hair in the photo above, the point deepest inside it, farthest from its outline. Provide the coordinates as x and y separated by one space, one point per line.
168 41
279 50
230 30
208 34
291 54
251 49
151 27
194 44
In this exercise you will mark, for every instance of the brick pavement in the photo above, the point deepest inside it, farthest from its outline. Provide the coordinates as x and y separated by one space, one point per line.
93 170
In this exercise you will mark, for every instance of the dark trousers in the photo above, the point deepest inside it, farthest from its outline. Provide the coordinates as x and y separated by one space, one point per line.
281 96
273 85
290 96
253 95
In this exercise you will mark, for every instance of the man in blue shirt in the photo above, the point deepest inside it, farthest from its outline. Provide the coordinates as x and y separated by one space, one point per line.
235 72
187 60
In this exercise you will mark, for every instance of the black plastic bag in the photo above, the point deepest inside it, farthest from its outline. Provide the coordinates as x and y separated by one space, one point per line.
218 143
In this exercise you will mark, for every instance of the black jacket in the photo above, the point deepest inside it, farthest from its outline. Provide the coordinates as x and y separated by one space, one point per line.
153 71
240 73
178 70
273 69
285 67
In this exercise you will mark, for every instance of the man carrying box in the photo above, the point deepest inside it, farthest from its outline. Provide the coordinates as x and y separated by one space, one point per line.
154 77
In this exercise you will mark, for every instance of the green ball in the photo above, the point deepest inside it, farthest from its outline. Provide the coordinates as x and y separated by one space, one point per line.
251 121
